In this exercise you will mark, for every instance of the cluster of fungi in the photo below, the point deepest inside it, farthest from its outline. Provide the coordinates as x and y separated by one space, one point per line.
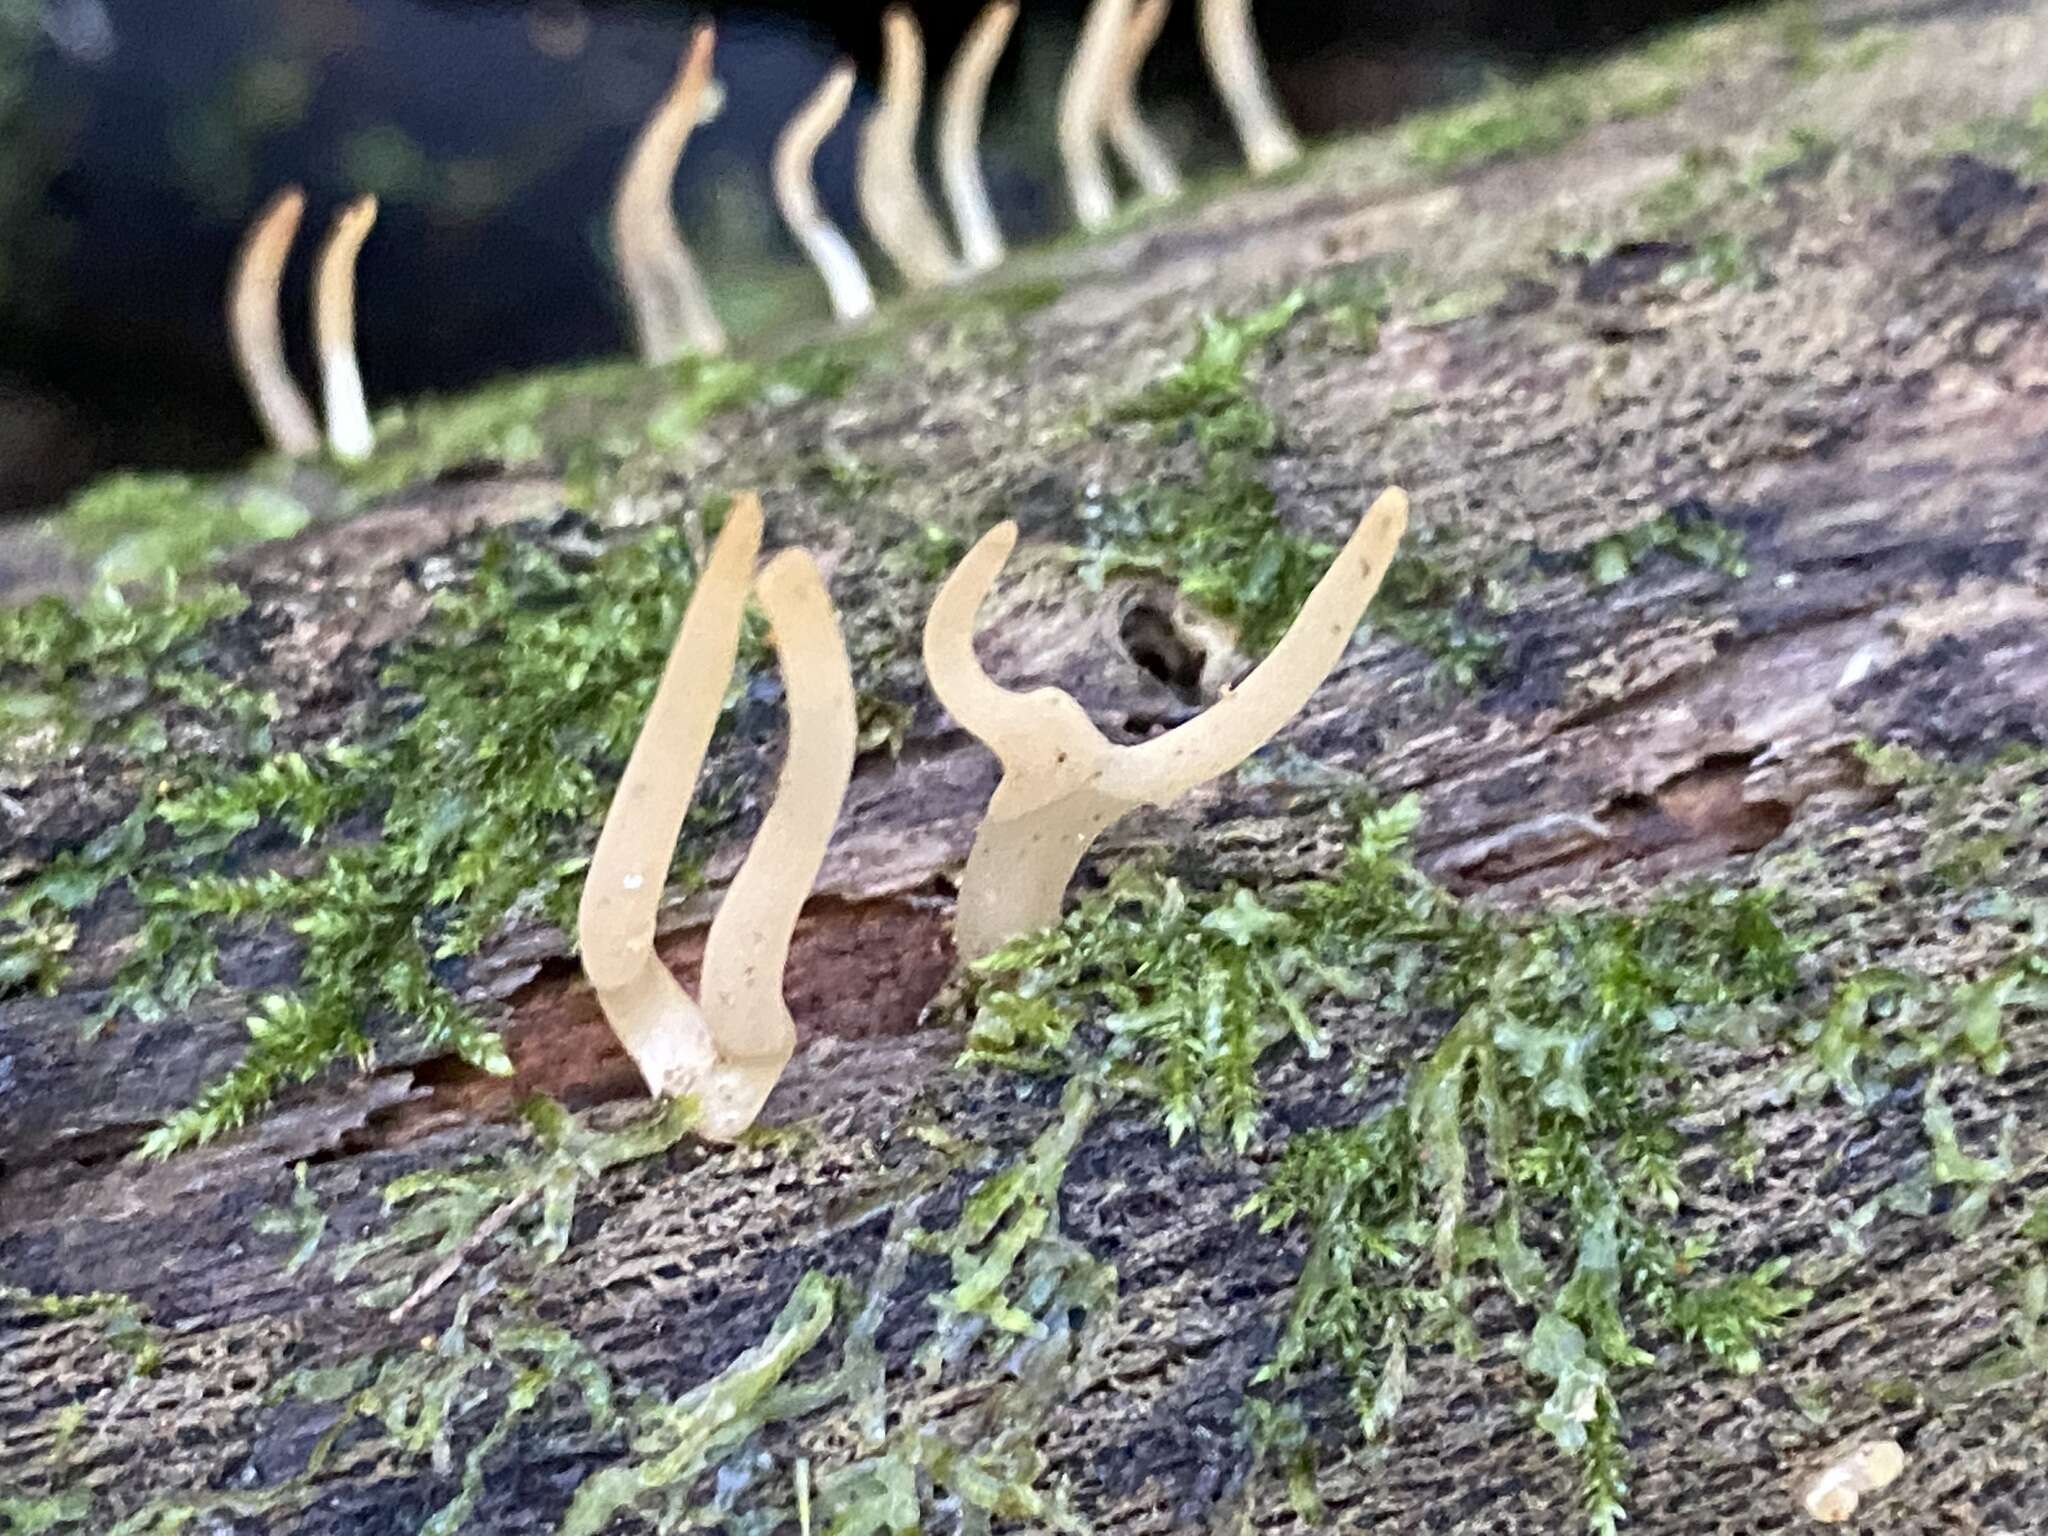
1062 781
1062 784
672 314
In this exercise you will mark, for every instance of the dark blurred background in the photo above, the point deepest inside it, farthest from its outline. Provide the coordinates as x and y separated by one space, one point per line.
138 136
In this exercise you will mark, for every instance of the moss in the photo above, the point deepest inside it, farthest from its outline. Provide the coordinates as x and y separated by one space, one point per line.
1216 536
134 527
2018 141
1558 1064
1688 533
124 1326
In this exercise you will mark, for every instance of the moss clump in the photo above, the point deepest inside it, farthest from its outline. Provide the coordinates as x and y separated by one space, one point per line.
1533 1147
134 527
1216 536
1688 533
2018 141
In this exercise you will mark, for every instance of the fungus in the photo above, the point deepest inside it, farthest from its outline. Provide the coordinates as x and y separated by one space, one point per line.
891 200
1833 1496
1143 154
334 331
1235 64
960 107
256 333
729 1051
671 312
796 194
1083 101
1063 782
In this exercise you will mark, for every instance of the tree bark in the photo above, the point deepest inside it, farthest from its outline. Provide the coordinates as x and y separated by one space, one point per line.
1865 404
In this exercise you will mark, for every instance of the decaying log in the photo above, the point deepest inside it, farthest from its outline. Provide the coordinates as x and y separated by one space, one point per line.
1838 368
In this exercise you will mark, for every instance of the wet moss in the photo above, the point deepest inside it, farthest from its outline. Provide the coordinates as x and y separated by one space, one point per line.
134 527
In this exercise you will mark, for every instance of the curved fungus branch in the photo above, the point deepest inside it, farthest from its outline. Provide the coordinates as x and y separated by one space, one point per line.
752 1034
671 312
1143 153
334 331
1084 100
796 194
961 101
892 201
256 333
1239 70
655 1019
1063 782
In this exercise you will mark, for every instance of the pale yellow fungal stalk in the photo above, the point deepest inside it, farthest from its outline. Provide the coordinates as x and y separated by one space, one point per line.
257 334
1063 782
796 194
892 201
1148 160
1239 70
729 1051
671 312
1084 100
334 332
961 103
1832 1497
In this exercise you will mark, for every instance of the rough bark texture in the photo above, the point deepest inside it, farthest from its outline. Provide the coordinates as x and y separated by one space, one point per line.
1872 419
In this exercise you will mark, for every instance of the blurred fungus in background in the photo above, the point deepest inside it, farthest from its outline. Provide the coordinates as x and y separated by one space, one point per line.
138 138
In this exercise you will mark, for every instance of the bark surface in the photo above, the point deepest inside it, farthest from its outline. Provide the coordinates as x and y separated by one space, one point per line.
1862 399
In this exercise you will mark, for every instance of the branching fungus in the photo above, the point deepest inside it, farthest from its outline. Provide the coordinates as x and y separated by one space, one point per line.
1063 782
1239 70
334 331
1143 154
892 200
729 1051
1084 96
796 194
671 312
257 334
961 102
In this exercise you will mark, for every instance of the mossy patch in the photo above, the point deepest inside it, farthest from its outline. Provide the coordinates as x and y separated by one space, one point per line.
134 527
1531 1149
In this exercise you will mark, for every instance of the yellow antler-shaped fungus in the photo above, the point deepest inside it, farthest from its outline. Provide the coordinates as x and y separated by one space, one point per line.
334 331
796 194
1239 70
729 1051
892 200
257 334
1084 101
1143 154
1063 782
961 102
671 312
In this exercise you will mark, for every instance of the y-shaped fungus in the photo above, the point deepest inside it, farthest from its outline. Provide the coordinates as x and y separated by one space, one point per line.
1240 75
961 101
796 194
891 199
1063 782
729 1052
256 333
334 331
671 312
1083 104
1148 160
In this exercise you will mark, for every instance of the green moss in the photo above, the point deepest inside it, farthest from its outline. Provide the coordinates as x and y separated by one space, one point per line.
124 1326
2018 141
135 527
1695 538
1558 1066
1216 536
